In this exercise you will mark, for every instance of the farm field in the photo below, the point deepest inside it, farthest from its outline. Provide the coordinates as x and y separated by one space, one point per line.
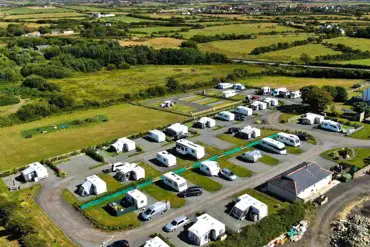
355 43
150 30
156 43
293 83
238 29
356 62
43 16
105 85
242 48
34 10
127 19
88 8
69 140
294 53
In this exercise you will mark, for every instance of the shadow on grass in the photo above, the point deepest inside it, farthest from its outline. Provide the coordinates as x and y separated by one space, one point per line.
157 163
164 186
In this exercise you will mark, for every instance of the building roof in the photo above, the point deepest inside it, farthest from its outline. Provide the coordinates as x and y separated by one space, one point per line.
300 177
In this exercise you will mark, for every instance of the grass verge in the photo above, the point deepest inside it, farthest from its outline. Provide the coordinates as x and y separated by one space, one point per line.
361 159
159 192
205 182
269 160
112 183
294 150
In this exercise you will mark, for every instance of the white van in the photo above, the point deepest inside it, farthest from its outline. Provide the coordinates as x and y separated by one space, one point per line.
156 209
288 139
273 145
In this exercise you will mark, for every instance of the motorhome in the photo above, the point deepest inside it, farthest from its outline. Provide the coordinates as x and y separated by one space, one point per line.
281 91
311 118
247 206
205 122
186 147
205 229
331 125
156 135
295 94
130 171
137 198
155 209
177 129
273 145
225 115
225 85
92 185
288 139
251 156
265 90
228 93
166 158
123 144
34 172
175 181
248 132
209 168
243 110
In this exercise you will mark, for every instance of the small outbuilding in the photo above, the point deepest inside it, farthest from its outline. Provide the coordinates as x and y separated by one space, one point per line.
156 135
177 129
166 158
209 168
130 171
34 172
205 122
156 242
123 144
137 198
93 185
205 229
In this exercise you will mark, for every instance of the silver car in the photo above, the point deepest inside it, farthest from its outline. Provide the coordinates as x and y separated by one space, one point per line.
176 223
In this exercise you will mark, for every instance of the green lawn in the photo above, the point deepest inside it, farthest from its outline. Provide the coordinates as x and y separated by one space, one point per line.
209 101
195 98
127 19
158 192
239 171
294 150
284 117
18 151
242 48
44 16
150 172
274 205
362 134
196 177
365 62
112 183
150 30
355 43
361 159
269 160
34 10
178 108
70 198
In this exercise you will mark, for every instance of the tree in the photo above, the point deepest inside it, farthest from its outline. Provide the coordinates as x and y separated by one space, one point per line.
62 101
316 98
330 89
341 95
361 107
111 66
305 58
189 43
40 83
19 224
173 85
33 240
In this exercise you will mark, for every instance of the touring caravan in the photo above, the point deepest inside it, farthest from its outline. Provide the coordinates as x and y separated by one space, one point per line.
225 115
273 145
157 136
295 94
265 90
243 110
166 158
156 242
92 185
271 101
239 87
186 147
331 125
175 181
137 198
115 166
205 229
228 93
247 206
288 139
210 168
155 209
34 172
311 118
130 172
225 85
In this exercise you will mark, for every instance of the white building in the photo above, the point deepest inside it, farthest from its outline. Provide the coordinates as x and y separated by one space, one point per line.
157 136
303 182
166 158
249 132
175 181
177 129
130 171
205 229
92 185
123 144
311 118
155 242
288 139
34 172
271 101
225 85
225 115
247 206
186 147
209 168
244 110
331 126
205 122
137 198
228 93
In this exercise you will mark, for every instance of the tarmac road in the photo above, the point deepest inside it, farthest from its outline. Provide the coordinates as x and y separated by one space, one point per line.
83 233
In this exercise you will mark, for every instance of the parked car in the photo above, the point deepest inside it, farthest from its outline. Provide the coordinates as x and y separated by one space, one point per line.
303 137
120 243
227 174
240 117
176 223
191 191
255 97
176 138
233 130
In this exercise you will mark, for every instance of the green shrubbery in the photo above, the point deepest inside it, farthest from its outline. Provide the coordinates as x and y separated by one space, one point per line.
91 152
8 100
40 83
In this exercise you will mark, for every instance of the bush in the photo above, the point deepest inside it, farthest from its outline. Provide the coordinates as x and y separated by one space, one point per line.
139 148
33 240
62 101
34 111
40 83
90 151
21 225
124 66
8 100
111 66
46 70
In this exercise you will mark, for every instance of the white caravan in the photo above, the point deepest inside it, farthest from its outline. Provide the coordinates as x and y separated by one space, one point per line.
247 206
228 93
205 122
331 125
175 181
166 158
123 144
156 242
239 87
251 156
311 118
157 136
115 166
186 147
243 110
248 132
271 101
177 129
205 229
225 85
137 198
288 139
210 168
265 90
34 172
273 145
225 115
130 172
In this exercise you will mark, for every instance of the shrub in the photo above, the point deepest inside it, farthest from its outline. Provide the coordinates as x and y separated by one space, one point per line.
90 151
33 111
40 83
139 149
111 66
46 70
124 66
33 240
8 100
62 101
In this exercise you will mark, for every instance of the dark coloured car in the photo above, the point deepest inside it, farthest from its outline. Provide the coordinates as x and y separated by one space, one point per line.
176 138
240 117
191 191
303 137
120 243
233 130
227 174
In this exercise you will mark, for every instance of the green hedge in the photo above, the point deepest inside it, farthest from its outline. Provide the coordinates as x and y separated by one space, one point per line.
8 100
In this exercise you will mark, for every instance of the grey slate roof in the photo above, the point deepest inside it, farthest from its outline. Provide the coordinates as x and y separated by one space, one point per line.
300 177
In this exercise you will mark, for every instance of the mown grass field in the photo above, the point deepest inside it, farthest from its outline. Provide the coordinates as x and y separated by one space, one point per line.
127 19
34 10
18 151
150 30
105 85
195 176
156 43
43 16
159 192
242 48
254 28
355 43
294 53
356 62
269 160
30 208
295 83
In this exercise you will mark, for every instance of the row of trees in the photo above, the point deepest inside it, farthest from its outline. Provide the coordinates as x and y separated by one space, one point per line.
348 53
210 38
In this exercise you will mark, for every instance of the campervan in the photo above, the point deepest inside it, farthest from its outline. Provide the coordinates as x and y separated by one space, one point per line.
166 158
225 115
156 209
175 181
331 125
186 147
273 145
210 168
156 135
288 139
243 110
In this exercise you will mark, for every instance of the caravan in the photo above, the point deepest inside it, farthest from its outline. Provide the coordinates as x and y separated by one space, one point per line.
186 147
239 87
123 144
251 156
288 139
166 158
156 135
175 181
295 94
311 118
249 207
228 93
248 132
205 229
273 145
34 172
210 168
177 129
331 125
265 90
225 85
137 198
243 110
225 115
271 102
